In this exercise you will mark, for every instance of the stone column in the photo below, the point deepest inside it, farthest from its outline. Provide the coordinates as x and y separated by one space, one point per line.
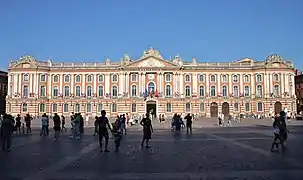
158 81
253 86
72 77
195 82
230 85
268 84
127 83
107 83
9 90
49 86
121 83
282 84
38 76
293 88
83 88
207 88
182 85
219 83
287 82
140 83
61 84
31 80
143 82
241 84
95 84
19 83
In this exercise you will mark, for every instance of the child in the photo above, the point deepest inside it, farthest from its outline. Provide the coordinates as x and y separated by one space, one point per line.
117 133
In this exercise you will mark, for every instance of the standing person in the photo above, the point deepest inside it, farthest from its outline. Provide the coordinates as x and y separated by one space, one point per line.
47 125
76 126
123 124
81 127
57 128
147 130
189 123
43 125
63 123
96 126
276 130
103 132
28 120
18 124
6 132
283 128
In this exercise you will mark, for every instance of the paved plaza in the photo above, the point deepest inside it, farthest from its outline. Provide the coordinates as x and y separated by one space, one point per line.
238 152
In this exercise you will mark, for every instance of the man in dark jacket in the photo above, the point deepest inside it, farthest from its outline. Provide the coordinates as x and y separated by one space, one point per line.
6 132
57 126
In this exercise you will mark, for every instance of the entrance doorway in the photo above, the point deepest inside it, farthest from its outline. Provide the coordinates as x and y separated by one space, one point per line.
213 109
151 107
278 107
225 109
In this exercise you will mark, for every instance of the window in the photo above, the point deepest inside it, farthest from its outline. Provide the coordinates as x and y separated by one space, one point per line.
100 91
236 91
78 91
99 108
43 78
134 90
276 77
77 108
260 106
247 107
10 91
100 78
88 107
89 78
55 91
259 91
201 91
151 86
201 78
25 77
246 91
235 78
66 78
42 107
42 91
224 91
114 107
115 91
168 107
25 91
187 78
246 78
168 90
24 107
259 78
134 107
212 78
55 107
89 91
115 78
202 107
167 77
187 91
134 77
187 107
56 78
66 91
224 78
65 107
276 90
78 78
236 107
213 91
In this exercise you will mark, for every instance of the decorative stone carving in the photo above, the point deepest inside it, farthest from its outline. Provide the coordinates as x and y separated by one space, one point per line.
107 61
27 58
194 61
151 62
125 60
274 58
151 52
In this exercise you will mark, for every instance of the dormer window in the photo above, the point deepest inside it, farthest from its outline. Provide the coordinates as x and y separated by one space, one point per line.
213 78
246 78
56 78
25 77
115 78
167 77
43 78
235 78
100 78
66 78
134 77
187 78
259 78
224 78
276 77
201 78
89 78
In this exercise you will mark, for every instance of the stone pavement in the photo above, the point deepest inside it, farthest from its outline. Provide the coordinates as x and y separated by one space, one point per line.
209 153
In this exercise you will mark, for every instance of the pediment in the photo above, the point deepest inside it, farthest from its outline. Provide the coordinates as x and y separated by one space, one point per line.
278 65
152 62
25 65
26 62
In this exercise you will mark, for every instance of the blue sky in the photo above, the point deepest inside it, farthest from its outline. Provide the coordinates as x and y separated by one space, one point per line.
209 30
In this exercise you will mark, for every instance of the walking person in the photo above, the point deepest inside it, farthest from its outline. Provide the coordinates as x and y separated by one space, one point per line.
123 124
43 125
18 124
189 123
57 128
103 124
63 123
276 130
96 126
28 120
147 130
283 128
76 126
6 132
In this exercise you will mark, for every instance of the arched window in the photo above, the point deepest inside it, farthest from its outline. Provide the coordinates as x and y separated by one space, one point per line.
42 107
213 91
115 78
65 108
202 109
66 78
224 91
134 107
151 86
100 78
201 91
25 77
114 107
168 107
25 91
246 91
56 78
77 108
236 91
89 78
259 91
134 90
114 91
89 107
55 108
235 78
187 107
168 90
276 90
246 78
89 91
224 78
259 78
78 91
78 78
236 106
276 77
55 91
187 78
42 91
260 106
100 91
247 107
66 91
213 78
201 78
24 107
187 91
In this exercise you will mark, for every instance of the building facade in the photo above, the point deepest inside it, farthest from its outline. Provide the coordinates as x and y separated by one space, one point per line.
151 83
3 91
299 91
